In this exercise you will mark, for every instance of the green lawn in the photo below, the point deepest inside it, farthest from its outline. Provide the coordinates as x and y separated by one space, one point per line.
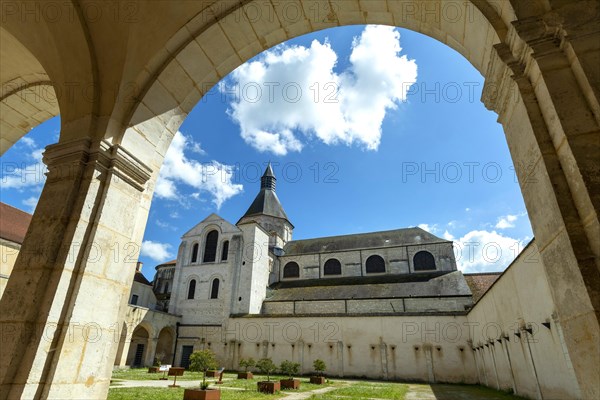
358 390
241 389
140 393
141 374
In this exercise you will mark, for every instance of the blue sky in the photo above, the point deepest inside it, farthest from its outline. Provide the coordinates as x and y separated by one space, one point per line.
403 141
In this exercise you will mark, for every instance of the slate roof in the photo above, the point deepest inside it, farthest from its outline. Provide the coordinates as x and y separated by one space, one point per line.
433 284
266 201
13 223
172 262
398 237
481 282
140 278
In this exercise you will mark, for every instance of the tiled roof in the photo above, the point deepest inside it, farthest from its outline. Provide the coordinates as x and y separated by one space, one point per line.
13 223
480 283
140 278
398 237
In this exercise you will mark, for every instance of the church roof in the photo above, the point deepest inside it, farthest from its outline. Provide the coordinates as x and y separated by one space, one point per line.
481 282
13 223
431 284
397 237
266 201
140 278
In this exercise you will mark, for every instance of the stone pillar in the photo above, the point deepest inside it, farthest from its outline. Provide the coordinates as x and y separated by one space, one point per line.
554 151
67 296
150 352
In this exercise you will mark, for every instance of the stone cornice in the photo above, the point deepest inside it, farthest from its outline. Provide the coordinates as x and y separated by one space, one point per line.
108 157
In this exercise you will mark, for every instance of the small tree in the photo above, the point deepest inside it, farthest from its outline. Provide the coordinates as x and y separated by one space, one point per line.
158 357
319 366
266 367
202 361
247 363
289 368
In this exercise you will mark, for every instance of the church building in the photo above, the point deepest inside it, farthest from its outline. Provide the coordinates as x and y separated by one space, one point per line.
254 267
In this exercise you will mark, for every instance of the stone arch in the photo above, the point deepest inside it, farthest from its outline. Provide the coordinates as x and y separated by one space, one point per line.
210 245
139 345
195 253
533 57
27 95
218 39
487 40
165 345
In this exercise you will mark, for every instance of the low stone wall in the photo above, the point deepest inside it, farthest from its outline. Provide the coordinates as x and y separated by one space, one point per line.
367 306
520 345
430 348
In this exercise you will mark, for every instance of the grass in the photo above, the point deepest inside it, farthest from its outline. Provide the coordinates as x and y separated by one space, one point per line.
141 374
364 390
250 384
242 389
139 393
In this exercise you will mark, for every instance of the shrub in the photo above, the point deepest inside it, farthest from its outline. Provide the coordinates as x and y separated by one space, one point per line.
247 363
266 367
319 366
202 361
289 368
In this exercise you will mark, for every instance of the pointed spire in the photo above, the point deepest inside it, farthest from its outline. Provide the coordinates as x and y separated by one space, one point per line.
267 181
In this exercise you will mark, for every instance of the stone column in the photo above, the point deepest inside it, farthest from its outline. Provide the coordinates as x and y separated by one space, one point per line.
60 321
150 352
553 152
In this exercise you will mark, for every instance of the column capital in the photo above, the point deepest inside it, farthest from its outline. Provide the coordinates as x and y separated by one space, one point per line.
106 157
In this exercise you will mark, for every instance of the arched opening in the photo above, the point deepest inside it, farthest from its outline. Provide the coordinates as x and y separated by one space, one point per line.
332 267
214 289
138 347
291 270
423 261
165 346
191 289
474 39
225 251
375 265
195 253
210 246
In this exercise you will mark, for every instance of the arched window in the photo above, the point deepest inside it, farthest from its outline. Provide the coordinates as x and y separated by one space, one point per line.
210 247
291 270
332 267
423 261
195 253
214 291
225 250
192 289
375 264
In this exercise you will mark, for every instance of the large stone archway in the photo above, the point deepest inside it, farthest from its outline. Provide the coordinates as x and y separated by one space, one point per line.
143 73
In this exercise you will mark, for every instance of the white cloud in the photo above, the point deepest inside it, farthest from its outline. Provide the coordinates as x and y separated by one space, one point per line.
429 228
448 236
157 251
508 221
27 141
22 175
293 90
486 251
31 202
211 177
